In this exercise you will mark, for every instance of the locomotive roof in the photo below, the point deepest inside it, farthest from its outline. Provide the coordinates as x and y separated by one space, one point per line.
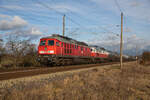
65 39
98 47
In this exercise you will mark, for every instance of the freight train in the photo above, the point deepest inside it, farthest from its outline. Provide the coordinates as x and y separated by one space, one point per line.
62 50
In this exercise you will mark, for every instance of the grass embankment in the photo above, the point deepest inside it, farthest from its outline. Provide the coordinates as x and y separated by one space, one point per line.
99 83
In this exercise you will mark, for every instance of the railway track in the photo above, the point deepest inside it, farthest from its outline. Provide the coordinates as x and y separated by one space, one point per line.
18 73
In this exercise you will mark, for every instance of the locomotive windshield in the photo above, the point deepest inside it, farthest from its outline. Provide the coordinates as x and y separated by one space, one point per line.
43 42
51 42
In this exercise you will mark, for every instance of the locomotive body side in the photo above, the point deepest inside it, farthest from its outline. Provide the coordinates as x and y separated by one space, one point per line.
61 50
56 47
53 50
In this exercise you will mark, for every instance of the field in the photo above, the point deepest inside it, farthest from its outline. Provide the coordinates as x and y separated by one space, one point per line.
99 83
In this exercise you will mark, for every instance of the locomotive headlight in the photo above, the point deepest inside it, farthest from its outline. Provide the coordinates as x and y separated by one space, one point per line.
51 51
41 51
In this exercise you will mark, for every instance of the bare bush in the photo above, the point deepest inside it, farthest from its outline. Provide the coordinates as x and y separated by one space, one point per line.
2 51
145 58
18 52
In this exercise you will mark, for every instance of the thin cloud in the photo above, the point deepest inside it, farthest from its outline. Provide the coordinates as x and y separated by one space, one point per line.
131 8
30 33
135 3
64 8
4 16
35 31
17 7
112 43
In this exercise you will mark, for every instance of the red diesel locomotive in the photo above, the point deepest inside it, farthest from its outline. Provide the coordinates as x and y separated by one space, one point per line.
61 50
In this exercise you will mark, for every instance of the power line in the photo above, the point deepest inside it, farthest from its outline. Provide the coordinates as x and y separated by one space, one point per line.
46 6
118 6
60 13
66 16
71 12
99 26
87 21
69 18
74 31
73 21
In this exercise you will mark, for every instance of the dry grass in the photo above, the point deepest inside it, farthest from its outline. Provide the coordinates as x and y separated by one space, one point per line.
100 83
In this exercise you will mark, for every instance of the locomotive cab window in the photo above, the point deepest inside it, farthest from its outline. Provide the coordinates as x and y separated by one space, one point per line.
43 42
51 42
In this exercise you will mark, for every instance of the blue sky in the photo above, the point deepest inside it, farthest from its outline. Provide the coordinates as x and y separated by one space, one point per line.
92 21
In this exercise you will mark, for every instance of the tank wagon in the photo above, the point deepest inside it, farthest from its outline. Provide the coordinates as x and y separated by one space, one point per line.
61 50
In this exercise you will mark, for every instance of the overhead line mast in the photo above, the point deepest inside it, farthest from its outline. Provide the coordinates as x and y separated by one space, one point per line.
64 25
121 40
121 34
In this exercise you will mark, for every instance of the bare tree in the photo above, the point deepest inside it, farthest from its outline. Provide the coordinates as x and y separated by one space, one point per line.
20 51
2 50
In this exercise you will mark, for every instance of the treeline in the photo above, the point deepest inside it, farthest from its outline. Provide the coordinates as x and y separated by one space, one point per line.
16 51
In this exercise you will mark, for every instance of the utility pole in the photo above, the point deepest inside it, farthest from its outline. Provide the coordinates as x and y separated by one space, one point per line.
136 55
63 25
121 40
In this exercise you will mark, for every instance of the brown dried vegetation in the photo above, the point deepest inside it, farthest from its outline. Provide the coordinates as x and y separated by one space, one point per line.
17 52
145 58
106 83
